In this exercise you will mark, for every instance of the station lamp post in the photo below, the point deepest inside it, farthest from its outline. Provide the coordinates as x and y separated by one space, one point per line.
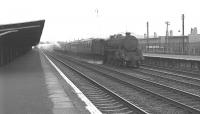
166 38
147 36
183 17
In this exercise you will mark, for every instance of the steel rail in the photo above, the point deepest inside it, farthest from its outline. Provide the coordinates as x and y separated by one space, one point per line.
193 109
127 103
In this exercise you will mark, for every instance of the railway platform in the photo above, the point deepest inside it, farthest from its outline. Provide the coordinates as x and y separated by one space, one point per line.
170 56
181 62
30 85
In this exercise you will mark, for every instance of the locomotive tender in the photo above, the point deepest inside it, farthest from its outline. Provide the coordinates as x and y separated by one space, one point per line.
118 49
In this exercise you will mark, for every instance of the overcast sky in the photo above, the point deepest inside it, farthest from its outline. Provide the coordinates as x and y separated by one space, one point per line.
75 19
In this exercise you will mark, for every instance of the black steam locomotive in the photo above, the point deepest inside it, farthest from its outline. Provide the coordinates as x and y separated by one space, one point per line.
117 49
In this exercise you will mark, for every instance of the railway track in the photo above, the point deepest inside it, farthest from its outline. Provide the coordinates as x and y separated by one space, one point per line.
180 82
184 75
194 74
179 96
105 100
173 76
173 96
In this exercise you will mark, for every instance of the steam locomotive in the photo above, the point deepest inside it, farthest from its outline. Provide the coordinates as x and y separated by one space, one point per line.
117 49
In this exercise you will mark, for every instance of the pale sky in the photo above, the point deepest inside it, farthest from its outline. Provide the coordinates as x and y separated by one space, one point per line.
76 19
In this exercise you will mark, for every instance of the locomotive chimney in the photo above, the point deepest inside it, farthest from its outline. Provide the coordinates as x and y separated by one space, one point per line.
128 33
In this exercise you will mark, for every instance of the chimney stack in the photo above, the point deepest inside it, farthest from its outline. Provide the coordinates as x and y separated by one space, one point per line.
155 35
171 33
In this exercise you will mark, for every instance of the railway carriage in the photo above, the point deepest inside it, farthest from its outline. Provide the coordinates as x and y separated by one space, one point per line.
92 48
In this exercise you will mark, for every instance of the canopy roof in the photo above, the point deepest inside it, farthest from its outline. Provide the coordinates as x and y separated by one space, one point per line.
21 34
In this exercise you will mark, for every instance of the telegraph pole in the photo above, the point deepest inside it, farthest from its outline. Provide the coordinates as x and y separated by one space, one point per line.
183 17
167 23
183 30
97 22
167 34
147 36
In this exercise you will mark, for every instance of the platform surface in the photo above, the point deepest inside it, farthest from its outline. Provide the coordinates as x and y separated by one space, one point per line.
170 56
30 86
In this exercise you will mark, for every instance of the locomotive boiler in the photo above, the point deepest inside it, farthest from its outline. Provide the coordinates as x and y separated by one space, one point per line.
123 50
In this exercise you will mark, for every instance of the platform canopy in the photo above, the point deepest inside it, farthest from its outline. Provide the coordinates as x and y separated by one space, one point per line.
21 34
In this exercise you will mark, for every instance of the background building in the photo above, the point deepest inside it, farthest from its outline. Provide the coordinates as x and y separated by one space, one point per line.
187 45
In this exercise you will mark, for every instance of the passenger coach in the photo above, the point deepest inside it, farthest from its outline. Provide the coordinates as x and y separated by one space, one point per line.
93 48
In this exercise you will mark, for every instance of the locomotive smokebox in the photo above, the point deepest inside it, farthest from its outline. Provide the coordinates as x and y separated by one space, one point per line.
123 50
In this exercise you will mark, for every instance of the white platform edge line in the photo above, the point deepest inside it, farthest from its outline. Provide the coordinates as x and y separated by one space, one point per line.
89 106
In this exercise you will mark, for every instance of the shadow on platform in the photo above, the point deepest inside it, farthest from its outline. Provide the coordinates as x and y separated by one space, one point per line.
22 86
